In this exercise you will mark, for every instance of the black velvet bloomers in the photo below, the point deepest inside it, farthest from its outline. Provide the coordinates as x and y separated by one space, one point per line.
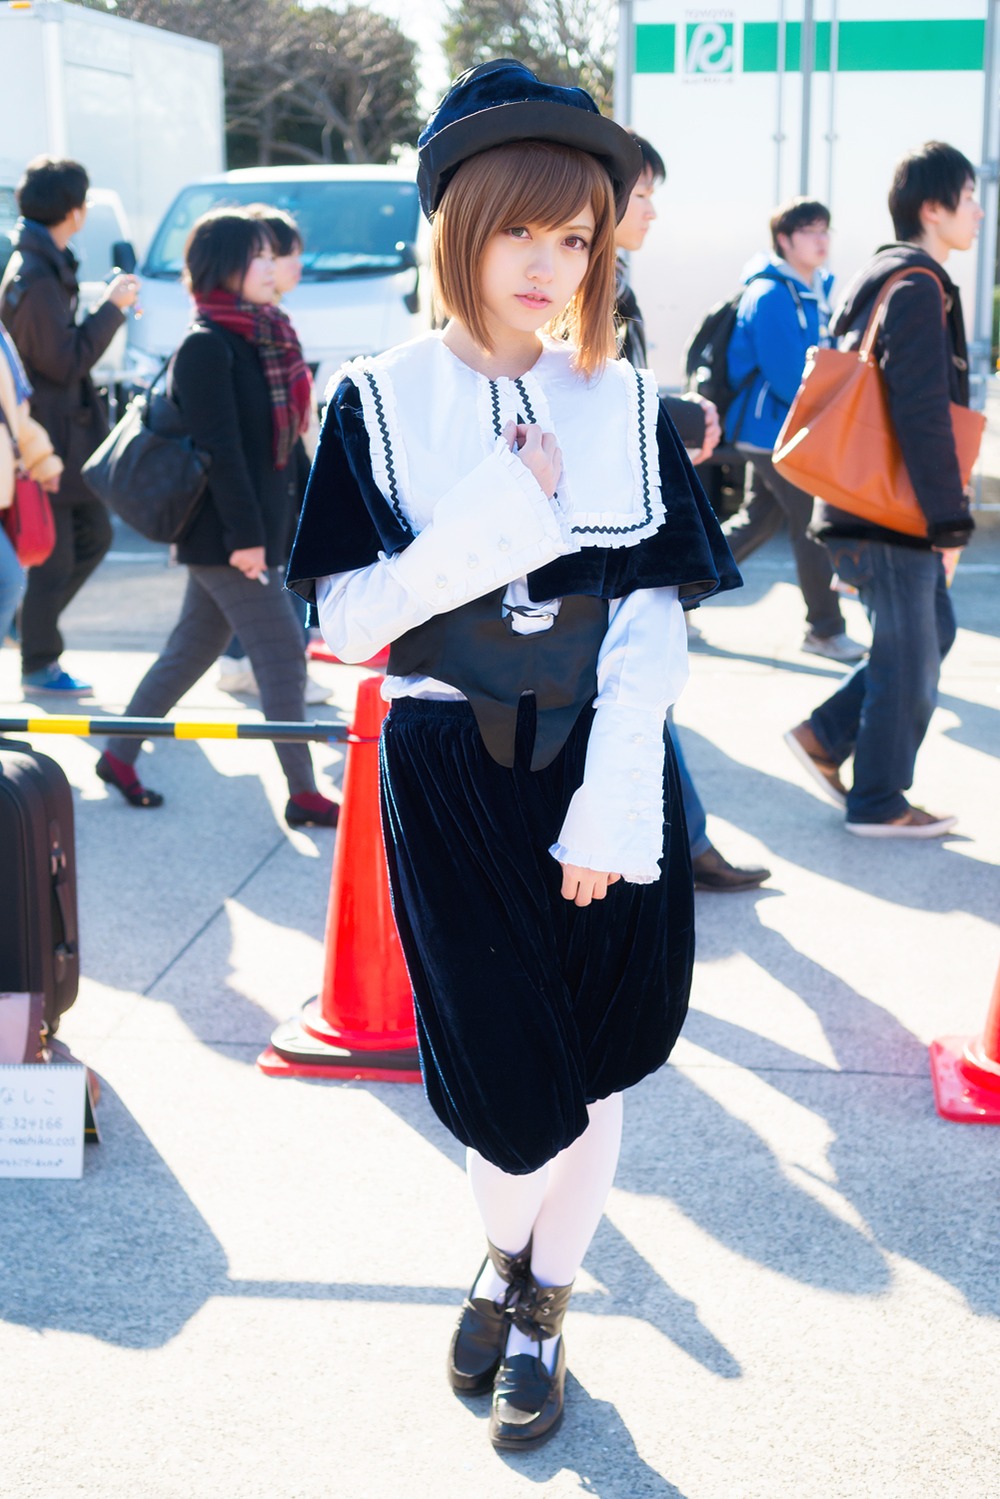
528 1007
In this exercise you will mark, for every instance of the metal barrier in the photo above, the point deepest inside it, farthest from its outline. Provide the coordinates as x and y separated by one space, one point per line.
166 728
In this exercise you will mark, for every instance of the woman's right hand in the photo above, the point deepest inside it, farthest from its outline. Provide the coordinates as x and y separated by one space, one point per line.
538 452
251 561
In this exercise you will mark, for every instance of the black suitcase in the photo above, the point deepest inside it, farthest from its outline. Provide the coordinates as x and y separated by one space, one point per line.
39 940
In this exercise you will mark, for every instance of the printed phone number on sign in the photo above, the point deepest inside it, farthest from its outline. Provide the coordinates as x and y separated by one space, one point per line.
9 1124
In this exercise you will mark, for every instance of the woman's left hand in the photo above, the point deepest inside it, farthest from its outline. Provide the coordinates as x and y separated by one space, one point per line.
584 885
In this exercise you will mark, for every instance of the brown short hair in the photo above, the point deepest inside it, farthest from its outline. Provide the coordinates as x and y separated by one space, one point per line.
221 246
528 182
284 231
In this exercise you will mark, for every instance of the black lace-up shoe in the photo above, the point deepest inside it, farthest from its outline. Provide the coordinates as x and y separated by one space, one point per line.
478 1341
527 1399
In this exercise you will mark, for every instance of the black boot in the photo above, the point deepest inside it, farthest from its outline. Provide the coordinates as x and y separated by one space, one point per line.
478 1342
527 1399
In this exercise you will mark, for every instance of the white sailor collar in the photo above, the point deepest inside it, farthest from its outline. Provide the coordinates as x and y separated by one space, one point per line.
609 494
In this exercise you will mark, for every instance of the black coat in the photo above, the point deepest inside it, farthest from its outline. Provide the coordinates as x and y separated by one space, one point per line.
38 302
218 382
687 416
924 362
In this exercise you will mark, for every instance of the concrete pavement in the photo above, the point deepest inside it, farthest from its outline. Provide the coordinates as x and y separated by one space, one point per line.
795 1291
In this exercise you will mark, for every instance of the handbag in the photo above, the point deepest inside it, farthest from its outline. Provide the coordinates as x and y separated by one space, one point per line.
148 469
838 440
28 519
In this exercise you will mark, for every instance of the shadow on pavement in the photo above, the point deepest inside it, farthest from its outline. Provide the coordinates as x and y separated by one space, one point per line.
614 1469
161 882
808 831
867 1149
978 724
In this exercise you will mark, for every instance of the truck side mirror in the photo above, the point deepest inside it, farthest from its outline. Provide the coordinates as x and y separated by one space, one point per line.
408 262
123 256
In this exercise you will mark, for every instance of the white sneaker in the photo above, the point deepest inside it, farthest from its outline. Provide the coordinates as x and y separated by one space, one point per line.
316 692
836 647
236 674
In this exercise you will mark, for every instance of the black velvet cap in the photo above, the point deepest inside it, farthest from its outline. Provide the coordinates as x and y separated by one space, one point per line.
503 101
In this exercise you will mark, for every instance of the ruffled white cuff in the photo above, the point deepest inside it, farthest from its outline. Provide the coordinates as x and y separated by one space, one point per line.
614 822
493 526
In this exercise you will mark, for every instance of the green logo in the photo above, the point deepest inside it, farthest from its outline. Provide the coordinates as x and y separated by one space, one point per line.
709 52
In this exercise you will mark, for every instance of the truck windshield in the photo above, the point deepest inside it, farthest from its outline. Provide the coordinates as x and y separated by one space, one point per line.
349 228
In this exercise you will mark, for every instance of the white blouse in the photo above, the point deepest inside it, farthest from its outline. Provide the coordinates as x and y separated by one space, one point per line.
481 521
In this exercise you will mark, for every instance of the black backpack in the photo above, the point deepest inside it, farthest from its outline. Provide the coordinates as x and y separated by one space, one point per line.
705 358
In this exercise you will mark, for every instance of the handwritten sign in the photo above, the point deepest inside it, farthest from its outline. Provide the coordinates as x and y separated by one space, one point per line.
42 1120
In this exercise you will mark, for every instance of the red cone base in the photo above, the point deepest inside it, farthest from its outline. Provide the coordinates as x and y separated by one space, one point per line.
361 1025
306 1046
966 1081
318 651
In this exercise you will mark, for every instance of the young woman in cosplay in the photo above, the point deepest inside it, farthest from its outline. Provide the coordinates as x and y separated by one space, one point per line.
504 503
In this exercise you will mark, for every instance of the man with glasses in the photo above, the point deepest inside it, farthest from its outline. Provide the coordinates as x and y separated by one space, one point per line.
784 312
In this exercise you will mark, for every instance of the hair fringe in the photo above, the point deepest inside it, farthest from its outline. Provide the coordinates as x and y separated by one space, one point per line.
528 182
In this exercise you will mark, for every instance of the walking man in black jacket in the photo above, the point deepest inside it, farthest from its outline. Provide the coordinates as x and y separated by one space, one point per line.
38 304
880 713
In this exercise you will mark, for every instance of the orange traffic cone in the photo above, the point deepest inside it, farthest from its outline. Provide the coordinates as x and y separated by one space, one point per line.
966 1071
361 1025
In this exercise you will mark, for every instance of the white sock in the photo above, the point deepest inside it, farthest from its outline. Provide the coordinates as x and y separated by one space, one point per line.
508 1205
580 1179
558 1207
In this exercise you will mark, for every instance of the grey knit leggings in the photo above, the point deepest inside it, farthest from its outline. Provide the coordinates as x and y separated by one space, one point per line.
219 602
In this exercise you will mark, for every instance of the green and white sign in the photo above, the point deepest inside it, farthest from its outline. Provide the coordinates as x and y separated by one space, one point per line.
709 51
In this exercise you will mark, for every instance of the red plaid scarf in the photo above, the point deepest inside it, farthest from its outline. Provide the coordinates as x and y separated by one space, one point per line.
288 380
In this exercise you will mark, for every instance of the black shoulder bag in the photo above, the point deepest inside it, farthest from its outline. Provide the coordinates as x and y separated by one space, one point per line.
148 470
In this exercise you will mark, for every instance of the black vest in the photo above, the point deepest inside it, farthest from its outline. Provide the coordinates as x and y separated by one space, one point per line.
474 649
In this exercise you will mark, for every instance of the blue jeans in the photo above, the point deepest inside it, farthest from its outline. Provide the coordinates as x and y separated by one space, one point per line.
881 711
694 812
12 579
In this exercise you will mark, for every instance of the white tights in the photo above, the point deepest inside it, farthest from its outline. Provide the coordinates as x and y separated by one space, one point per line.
557 1207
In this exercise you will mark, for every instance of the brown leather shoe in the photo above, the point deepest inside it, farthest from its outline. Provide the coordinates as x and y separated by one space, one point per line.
913 823
712 872
813 757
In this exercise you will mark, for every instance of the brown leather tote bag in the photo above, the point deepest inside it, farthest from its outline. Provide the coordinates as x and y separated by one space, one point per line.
838 440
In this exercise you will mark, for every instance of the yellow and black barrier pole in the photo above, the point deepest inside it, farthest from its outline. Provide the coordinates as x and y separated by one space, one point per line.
166 728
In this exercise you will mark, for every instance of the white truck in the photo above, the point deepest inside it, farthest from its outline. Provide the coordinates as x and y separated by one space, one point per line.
755 101
140 107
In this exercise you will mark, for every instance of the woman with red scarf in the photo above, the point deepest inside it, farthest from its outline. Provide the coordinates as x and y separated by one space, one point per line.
244 393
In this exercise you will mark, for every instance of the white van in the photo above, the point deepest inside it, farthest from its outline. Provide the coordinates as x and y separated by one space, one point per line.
363 284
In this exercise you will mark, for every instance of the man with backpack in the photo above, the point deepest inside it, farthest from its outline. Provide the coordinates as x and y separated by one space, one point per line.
881 712
781 314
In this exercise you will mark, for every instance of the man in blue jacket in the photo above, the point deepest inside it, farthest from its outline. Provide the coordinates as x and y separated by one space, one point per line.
783 313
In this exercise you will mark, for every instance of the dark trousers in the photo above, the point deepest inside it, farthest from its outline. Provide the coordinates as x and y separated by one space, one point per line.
83 535
770 500
880 712
218 602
